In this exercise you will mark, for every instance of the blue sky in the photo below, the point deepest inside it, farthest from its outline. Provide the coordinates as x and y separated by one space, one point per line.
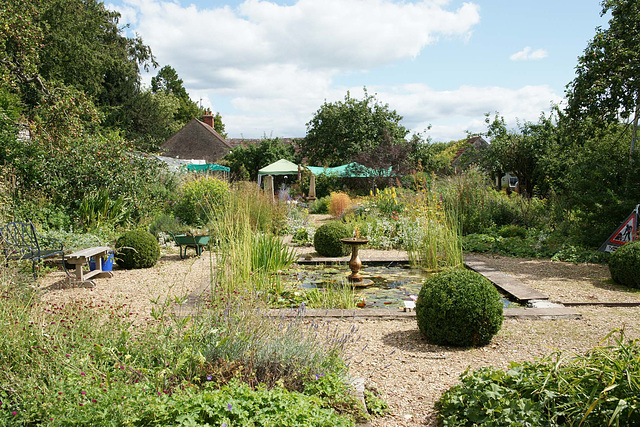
267 66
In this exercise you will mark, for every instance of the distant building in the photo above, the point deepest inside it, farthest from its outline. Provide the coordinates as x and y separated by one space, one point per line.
197 140
468 153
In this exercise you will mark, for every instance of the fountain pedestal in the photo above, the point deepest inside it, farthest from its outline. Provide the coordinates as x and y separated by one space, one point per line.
355 279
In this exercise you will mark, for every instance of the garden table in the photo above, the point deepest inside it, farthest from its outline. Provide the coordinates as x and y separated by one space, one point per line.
81 258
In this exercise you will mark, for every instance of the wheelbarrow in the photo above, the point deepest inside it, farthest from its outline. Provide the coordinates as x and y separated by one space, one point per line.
195 241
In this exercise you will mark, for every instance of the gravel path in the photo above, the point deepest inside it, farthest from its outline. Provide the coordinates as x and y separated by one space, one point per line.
391 354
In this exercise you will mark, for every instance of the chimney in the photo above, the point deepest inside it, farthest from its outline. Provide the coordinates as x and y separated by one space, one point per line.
207 118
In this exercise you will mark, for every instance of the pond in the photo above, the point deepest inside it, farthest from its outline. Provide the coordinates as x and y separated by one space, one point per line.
392 284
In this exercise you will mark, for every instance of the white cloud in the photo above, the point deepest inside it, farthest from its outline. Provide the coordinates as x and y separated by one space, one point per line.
274 65
527 54
451 112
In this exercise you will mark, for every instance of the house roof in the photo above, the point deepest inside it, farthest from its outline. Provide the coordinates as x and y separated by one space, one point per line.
474 142
196 140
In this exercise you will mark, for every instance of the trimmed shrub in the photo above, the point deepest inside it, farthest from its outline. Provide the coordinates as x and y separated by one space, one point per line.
137 249
327 239
459 307
200 198
624 265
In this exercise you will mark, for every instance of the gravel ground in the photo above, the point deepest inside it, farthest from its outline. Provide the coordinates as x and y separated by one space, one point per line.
390 354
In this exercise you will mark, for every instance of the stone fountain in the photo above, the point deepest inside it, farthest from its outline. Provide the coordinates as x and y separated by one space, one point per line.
355 279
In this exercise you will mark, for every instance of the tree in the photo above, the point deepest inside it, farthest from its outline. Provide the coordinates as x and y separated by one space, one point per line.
168 82
251 158
606 86
342 130
518 152
389 160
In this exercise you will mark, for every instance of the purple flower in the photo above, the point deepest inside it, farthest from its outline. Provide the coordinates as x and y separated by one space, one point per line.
229 406
209 377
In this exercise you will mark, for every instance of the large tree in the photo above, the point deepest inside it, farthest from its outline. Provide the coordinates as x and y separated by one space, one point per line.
342 130
607 83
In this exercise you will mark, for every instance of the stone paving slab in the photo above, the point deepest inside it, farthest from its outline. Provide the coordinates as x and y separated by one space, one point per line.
390 314
510 285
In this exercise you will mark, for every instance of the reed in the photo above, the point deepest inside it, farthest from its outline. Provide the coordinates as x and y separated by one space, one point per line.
437 241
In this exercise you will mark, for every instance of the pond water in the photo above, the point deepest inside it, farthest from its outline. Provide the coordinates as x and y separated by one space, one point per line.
392 284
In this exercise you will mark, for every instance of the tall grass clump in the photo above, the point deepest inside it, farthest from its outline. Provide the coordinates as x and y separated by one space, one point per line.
436 242
480 207
269 254
339 202
247 251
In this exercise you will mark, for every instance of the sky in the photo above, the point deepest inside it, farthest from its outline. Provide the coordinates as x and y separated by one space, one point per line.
268 66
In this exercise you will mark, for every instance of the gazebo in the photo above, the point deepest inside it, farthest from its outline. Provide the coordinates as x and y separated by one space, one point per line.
281 167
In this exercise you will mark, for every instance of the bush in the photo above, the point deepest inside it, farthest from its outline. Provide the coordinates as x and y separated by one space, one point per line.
327 239
200 198
624 265
137 249
320 206
164 223
588 390
339 203
459 307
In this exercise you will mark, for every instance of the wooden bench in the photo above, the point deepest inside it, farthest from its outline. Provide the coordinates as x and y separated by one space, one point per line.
81 258
21 241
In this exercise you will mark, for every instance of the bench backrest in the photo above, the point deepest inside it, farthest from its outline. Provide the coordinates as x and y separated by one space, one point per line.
18 239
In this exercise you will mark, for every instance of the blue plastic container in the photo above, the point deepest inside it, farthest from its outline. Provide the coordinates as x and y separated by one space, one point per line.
107 264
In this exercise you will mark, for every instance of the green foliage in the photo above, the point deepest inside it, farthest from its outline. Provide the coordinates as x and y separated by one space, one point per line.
99 209
80 363
327 242
519 152
606 85
342 130
85 48
238 404
480 207
74 241
200 199
151 118
624 265
535 244
376 405
166 223
512 231
300 236
594 389
459 307
320 206
137 249
270 254
335 393
251 157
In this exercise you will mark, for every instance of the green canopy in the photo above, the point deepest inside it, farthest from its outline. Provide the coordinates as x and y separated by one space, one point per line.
350 170
281 167
208 167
